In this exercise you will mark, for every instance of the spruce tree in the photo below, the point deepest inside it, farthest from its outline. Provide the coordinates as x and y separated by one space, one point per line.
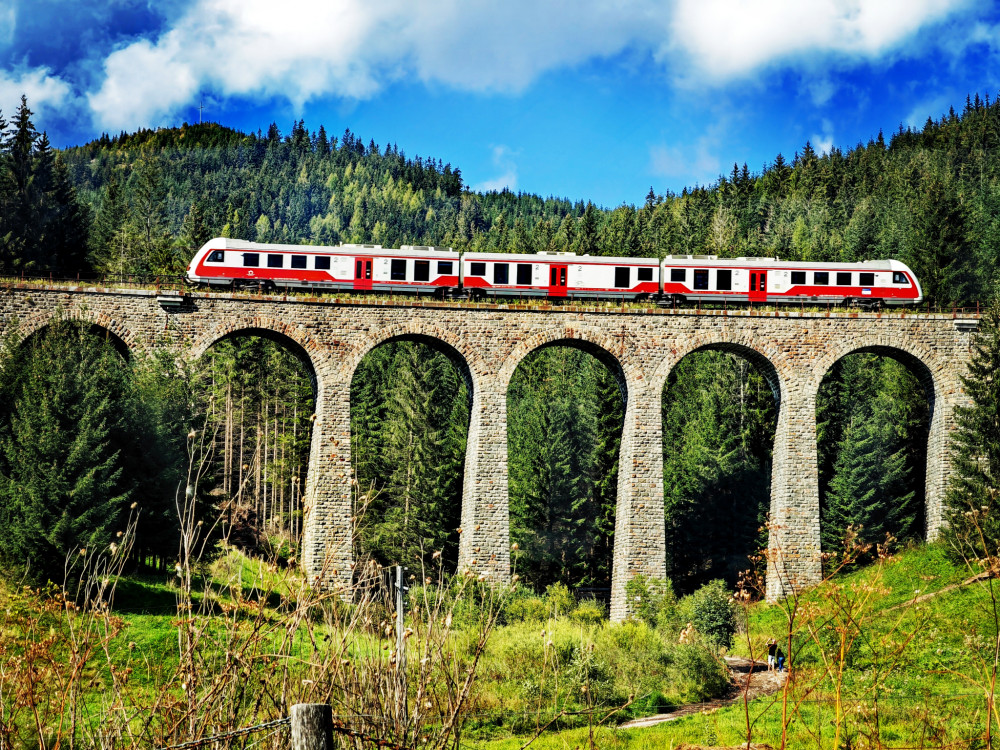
61 485
973 496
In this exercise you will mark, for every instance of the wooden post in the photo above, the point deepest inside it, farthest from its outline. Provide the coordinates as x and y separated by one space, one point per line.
312 726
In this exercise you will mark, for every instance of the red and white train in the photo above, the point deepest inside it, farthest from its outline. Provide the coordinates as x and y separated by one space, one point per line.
237 264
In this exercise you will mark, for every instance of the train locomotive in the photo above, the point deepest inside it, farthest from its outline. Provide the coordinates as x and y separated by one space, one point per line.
676 279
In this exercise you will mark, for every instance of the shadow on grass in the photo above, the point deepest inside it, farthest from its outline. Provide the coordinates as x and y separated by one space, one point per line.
137 596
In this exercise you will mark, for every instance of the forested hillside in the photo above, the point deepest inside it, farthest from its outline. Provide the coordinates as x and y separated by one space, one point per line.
141 203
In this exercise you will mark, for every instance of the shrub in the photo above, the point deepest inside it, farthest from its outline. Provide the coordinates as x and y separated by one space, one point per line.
711 610
653 601
589 612
525 605
560 599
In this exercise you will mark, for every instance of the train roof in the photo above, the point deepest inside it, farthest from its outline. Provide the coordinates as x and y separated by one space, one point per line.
776 264
228 243
567 258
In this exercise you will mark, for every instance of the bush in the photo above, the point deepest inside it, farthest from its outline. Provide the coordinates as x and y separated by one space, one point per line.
560 599
653 602
589 612
712 612
525 605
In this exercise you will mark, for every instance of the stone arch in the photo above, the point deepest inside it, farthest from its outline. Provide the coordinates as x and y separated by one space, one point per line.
302 346
760 353
610 350
629 557
779 374
933 375
454 346
122 338
942 389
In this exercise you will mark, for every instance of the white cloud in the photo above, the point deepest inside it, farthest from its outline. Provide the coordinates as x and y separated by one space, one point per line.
933 107
503 160
690 163
8 22
823 141
45 91
303 49
730 38
352 48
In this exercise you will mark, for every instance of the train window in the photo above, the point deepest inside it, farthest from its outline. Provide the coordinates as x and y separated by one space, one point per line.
821 278
753 282
898 277
843 279
501 273
523 273
866 279
645 274
798 277
724 279
623 277
298 261
217 256
444 267
421 270
251 260
275 261
322 263
477 269
397 269
701 278
678 274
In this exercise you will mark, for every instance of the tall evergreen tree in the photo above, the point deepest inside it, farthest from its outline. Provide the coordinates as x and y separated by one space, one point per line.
973 497
62 486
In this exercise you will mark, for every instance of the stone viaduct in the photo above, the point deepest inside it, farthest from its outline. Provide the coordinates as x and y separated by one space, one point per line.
794 349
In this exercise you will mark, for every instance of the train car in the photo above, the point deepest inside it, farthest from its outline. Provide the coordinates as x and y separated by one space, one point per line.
706 278
559 275
677 279
238 264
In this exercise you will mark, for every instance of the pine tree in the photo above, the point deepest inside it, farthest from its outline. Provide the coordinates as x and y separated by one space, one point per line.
194 232
67 226
112 215
23 200
973 497
62 487
853 497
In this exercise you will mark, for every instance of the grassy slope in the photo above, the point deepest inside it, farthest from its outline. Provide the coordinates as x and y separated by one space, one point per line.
926 699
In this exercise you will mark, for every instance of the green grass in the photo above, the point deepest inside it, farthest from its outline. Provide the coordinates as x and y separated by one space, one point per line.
927 700
535 665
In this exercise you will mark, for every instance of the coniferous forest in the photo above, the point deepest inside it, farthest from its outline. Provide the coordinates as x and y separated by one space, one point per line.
141 203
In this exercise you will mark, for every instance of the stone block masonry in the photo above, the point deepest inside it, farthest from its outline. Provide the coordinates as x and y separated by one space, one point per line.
794 349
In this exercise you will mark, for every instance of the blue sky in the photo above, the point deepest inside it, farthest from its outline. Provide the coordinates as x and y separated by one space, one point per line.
573 98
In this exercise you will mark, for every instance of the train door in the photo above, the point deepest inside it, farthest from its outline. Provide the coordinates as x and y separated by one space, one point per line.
758 286
557 280
363 273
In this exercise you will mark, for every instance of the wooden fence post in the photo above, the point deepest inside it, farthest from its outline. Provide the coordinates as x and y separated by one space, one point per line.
312 726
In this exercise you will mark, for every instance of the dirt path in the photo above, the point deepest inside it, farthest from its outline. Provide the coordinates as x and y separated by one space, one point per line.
761 682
